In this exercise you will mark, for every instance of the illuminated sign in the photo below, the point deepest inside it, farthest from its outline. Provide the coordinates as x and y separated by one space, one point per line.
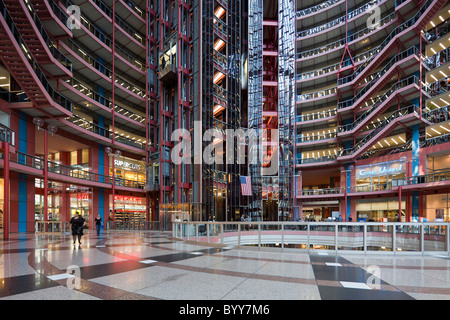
380 169
127 165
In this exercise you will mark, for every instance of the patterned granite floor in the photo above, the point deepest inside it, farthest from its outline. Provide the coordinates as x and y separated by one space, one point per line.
152 266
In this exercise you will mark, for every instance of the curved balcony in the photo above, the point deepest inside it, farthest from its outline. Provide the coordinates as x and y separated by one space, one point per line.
332 70
93 132
404 31
408 82
403 61
17 58
54 19
313 162
37 39
317 8
340 21
100 104
316 139
316 117
330 93
408 114
33 165
351 39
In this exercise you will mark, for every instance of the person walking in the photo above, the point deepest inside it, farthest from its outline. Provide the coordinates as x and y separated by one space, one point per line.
98 224
77 223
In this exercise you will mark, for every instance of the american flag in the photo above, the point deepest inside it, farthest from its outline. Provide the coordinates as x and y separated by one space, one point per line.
246 186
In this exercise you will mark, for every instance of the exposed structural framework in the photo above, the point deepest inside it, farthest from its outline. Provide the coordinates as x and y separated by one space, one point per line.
367 98
348 101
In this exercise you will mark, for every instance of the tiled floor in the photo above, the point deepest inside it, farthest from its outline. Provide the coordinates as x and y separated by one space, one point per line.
143 265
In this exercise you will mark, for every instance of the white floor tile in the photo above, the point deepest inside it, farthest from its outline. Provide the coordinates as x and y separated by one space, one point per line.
355 285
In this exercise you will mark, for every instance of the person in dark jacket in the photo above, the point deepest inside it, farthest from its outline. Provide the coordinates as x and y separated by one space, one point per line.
98 224
77 223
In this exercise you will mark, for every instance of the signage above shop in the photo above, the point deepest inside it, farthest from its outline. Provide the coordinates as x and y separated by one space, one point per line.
127 165
380 169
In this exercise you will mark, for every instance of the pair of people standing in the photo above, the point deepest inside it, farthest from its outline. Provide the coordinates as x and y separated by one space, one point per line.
77 222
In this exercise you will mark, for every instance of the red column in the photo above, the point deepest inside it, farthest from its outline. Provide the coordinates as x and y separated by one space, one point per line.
45 176
6 192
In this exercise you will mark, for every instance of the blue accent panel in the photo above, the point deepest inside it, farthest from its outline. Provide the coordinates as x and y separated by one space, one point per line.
101 162
416 102
101 121
348 178
348 144
101 66
22 205
101 204
101 93
415 150
23 136
415 206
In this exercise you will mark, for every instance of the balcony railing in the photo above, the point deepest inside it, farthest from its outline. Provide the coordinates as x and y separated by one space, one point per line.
316 8
363 142
102 100
400 28
54 95
339 20
54 51
316 73
332 157
82 123
408 52
356 237
379 100
7 135
316 95
350 38
70 171
317 137
316 115
439 87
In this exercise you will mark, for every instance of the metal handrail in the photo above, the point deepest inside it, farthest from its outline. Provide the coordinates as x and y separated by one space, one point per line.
357 237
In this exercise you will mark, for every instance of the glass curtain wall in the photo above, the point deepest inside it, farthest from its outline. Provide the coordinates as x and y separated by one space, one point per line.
255 101
286 106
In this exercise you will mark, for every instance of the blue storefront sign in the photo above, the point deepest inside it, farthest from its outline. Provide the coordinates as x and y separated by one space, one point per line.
380 169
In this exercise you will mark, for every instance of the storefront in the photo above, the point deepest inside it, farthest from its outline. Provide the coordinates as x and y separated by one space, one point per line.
380 210
379 176
129 208
320 210
437 208
63 202
129 171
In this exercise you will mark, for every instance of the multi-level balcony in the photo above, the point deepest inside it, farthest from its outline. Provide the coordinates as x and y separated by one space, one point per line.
403 33
408 116
34 166
18 59
409 87
333 50
82 94
54 19
51 60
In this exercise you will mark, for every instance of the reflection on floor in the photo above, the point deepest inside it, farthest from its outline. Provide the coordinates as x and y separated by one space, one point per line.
152 266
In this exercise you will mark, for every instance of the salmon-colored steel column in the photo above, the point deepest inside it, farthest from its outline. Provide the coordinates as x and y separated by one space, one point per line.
45 175
147 199
6 192
113 107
